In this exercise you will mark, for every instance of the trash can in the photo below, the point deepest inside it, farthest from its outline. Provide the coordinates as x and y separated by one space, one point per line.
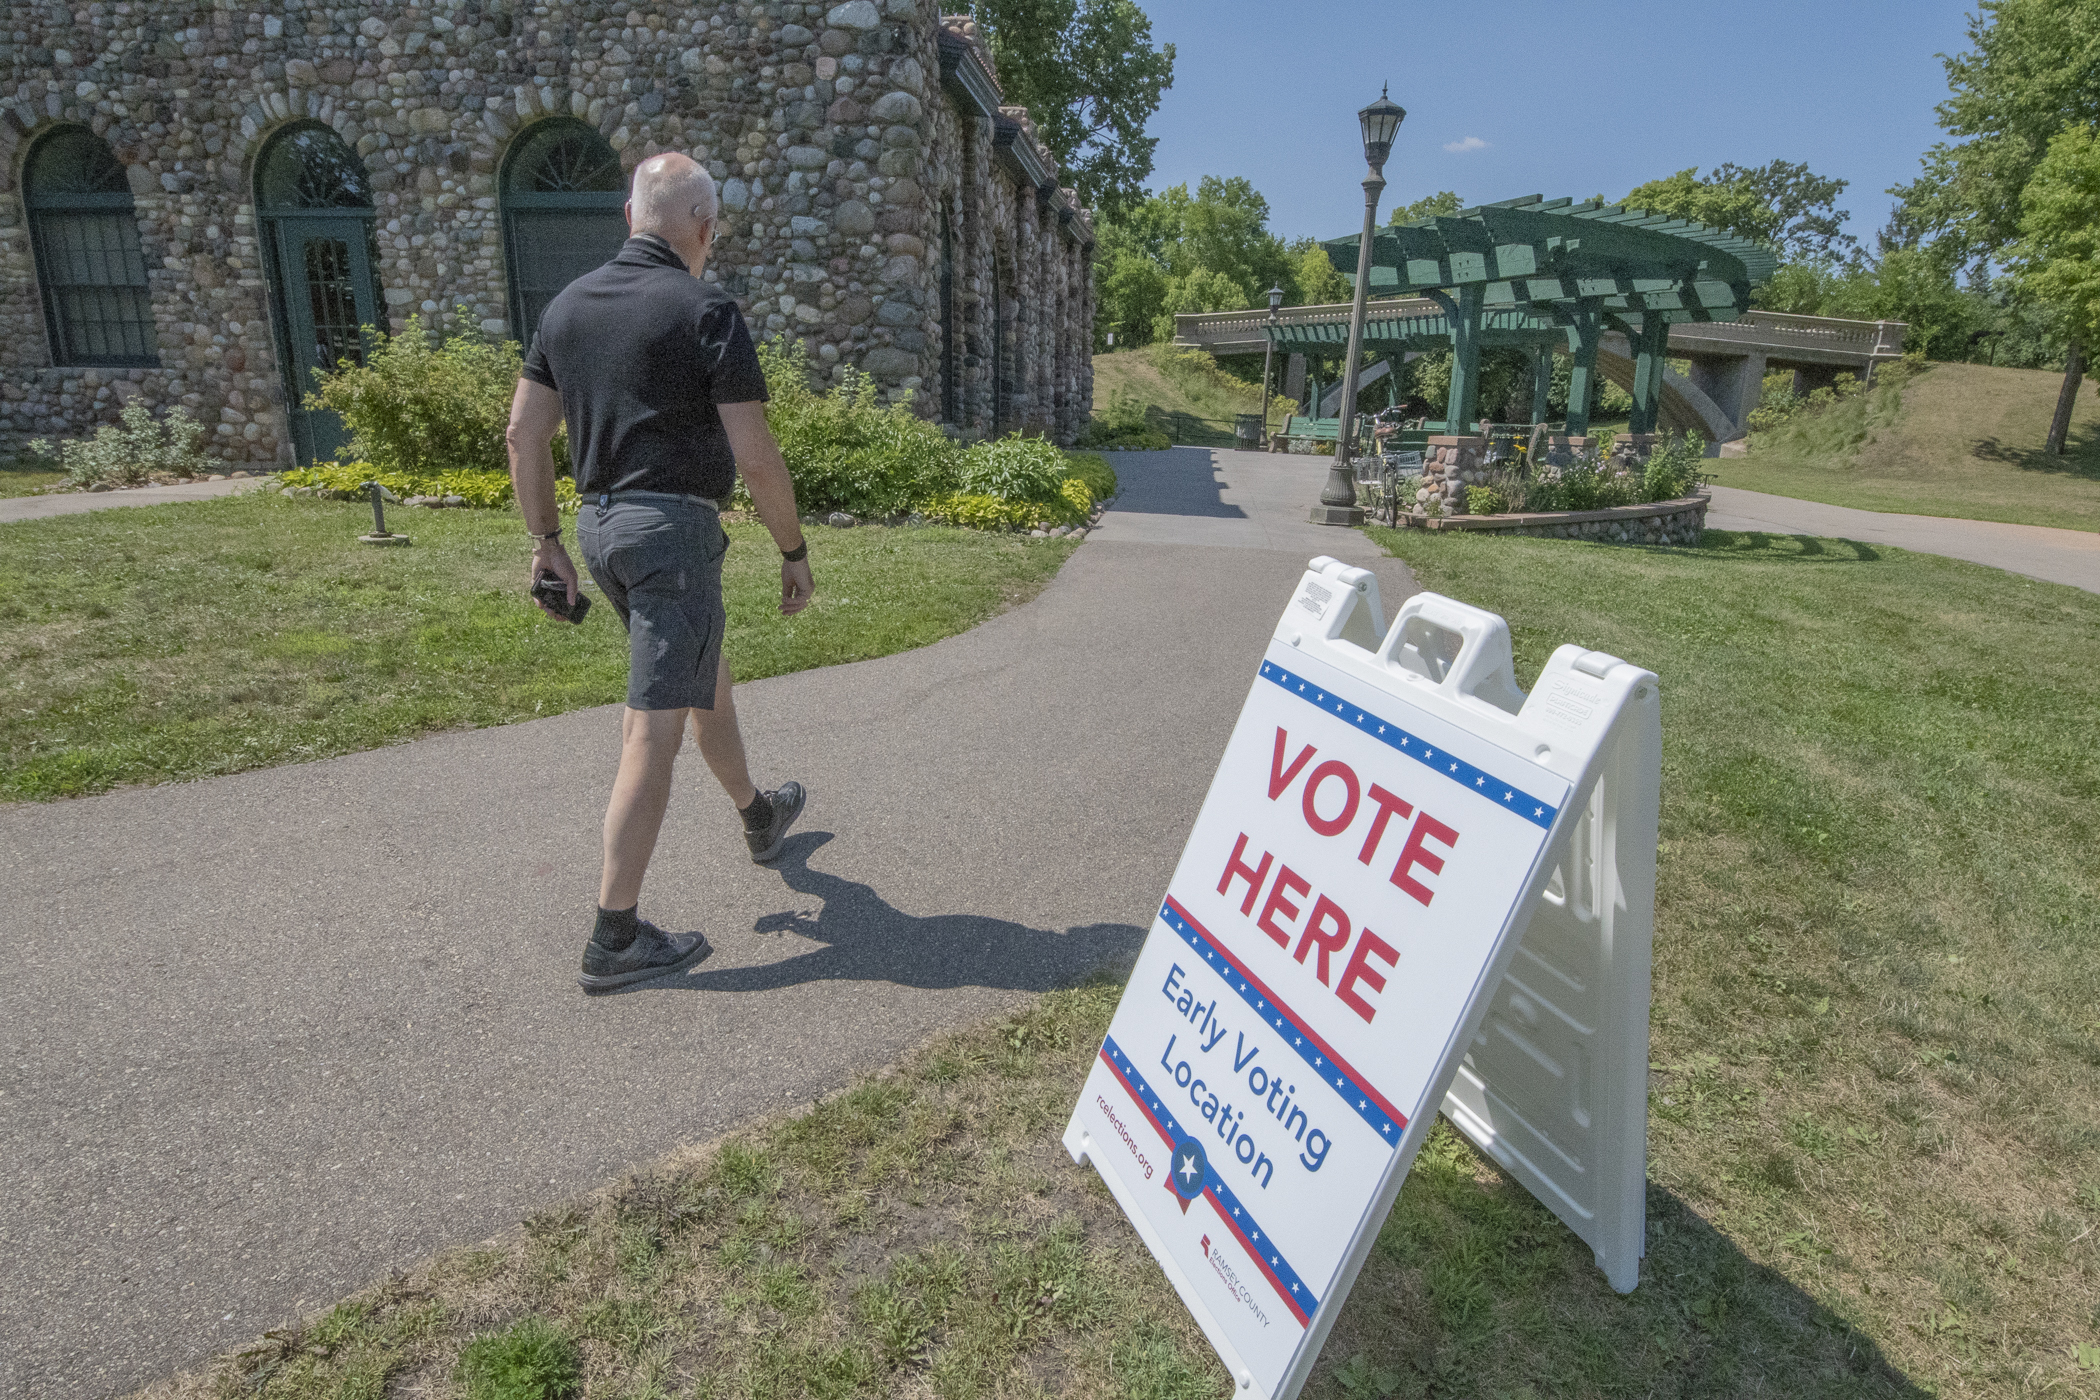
1246 430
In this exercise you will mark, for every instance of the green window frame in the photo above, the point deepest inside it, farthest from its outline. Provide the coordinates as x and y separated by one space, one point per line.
563 193
91 270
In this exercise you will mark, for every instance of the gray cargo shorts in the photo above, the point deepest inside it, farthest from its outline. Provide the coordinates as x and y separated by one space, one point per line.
658 560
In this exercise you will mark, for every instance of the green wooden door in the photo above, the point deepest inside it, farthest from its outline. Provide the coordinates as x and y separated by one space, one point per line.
325 284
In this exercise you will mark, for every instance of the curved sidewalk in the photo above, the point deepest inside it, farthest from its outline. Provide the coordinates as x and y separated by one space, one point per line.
269 1036
2056 556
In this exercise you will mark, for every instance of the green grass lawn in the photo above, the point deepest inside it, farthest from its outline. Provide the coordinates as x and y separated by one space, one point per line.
1966 443
20 478
1183 393
1875 1135
166 642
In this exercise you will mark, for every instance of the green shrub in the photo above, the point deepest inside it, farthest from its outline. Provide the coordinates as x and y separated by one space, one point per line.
419 407
845 449
532 1359
1099 476
1583 486
1125 438
1674 468
1013 468
1485 500
131 450
476 488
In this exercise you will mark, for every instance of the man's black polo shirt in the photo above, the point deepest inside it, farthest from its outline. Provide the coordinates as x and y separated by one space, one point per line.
641 351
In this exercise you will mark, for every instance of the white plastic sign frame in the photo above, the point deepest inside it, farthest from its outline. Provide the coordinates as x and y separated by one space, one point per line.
1335 947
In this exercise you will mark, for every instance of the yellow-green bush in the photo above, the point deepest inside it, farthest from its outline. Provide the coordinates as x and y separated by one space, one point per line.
982 512
1485 500
1075 494
476 488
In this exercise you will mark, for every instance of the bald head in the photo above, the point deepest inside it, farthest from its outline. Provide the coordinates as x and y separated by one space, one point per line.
672 196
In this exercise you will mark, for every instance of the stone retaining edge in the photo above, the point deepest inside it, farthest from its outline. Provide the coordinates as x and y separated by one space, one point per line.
1667 522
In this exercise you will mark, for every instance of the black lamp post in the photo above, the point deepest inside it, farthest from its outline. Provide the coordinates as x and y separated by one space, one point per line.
1268 354
1380 121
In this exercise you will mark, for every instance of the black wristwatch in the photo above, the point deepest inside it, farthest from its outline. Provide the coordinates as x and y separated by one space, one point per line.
796 555
553 534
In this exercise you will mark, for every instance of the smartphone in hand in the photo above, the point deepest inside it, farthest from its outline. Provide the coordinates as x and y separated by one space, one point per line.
549 589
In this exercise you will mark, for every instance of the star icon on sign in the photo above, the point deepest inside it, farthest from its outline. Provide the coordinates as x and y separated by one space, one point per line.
1188 1167
1480 782
1538 811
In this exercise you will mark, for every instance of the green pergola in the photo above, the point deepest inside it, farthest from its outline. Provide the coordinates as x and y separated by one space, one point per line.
1541 274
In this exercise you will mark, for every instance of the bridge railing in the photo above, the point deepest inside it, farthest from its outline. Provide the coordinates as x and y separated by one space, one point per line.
1767 330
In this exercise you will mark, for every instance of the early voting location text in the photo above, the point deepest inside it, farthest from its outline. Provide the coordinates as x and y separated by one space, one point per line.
1329 948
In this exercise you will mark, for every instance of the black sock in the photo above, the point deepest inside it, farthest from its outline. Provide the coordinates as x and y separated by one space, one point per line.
616 928
759 815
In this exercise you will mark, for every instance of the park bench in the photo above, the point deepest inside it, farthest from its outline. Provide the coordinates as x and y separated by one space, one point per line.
1317 429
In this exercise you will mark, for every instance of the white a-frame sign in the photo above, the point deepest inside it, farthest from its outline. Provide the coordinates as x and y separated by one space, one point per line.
1410 885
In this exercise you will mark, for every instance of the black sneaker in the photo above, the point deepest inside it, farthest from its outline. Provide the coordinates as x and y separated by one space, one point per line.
653 953
787 800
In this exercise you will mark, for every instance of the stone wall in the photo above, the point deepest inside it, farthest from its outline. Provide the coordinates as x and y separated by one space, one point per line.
838 148
1677 522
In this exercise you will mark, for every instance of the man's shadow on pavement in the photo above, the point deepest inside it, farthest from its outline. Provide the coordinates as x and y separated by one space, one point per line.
869 940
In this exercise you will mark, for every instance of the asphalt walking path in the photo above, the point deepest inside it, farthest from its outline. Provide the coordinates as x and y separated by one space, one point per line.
268 1037
81 502
2038 551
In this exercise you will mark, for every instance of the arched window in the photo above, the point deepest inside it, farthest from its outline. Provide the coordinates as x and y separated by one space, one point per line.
88 259
562 196
315 201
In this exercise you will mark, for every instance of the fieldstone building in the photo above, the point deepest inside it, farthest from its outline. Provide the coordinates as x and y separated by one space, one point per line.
200 204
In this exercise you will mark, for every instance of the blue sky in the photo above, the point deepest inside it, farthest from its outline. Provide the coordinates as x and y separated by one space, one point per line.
1565 98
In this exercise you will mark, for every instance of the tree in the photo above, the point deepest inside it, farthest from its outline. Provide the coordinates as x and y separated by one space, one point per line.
1172 253
2057 260
1428 207
1782 203
1090 78
2032 69
2031 72
1314 280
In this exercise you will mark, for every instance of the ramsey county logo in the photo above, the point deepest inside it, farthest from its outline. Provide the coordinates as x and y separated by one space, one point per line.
1230 1277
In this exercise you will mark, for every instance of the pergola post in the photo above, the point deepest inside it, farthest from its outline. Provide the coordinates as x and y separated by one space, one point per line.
1541 380
1463 313
1585 325
1651 349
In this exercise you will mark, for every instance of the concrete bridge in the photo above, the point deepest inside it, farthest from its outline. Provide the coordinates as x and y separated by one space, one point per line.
1729 359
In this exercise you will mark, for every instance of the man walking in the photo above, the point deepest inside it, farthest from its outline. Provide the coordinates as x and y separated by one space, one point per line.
656 375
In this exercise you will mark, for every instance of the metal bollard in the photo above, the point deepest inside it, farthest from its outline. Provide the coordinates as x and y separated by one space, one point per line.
380 534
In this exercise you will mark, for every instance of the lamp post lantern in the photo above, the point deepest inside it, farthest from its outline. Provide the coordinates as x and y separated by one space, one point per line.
1268 355
1380 121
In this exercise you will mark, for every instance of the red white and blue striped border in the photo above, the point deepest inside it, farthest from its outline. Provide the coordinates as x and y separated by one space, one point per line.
1334 1071
1296 1295
1536 810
